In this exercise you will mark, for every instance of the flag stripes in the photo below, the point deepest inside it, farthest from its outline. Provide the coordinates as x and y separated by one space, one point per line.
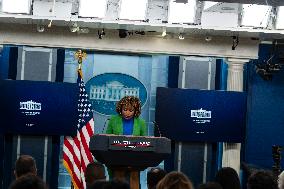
76 154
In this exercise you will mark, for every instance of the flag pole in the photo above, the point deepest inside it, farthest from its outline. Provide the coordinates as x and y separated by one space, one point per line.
80 55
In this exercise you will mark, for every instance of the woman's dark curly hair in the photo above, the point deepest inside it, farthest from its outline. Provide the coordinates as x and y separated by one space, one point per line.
175 180
129 101
228 178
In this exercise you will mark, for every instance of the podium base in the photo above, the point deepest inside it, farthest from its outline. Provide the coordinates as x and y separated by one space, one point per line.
133 176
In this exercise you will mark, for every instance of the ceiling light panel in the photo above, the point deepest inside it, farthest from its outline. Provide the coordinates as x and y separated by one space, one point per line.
280 18
209 4
182 12
16 6
92 8
255 15
133 9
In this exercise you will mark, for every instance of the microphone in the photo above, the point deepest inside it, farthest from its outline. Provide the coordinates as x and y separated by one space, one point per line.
157 126
104 127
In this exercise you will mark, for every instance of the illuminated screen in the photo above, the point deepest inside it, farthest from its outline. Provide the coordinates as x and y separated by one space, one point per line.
38 107
201 115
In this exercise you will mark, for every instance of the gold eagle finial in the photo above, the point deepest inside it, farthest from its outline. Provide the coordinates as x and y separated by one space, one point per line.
80 55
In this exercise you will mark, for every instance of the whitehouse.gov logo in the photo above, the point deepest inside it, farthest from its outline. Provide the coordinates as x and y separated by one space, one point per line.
30 107
107 89
201 116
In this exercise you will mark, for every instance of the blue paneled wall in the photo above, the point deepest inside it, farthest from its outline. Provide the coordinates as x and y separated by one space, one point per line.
265 121
265 124
4 62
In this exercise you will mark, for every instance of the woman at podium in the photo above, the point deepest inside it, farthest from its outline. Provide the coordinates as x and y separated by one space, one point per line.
127 122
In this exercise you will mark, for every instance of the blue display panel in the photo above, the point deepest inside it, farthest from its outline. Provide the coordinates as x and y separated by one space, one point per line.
201 115
38 107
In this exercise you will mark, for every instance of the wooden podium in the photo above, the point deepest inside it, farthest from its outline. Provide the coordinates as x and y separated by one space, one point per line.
126 156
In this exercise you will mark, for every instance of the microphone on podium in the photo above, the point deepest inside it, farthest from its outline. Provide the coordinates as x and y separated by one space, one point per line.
104 127
157 126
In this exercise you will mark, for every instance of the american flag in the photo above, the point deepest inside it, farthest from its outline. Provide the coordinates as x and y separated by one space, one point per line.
76 154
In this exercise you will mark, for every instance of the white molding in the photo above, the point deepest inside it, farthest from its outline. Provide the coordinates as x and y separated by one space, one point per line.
140 25
196 58
237 61
37 49
50 65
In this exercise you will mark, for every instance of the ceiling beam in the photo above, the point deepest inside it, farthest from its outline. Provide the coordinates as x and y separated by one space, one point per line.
20 34
261 2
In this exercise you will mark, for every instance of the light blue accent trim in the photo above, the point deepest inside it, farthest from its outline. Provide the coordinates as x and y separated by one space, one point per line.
220 155
241 177
224 75
223 86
